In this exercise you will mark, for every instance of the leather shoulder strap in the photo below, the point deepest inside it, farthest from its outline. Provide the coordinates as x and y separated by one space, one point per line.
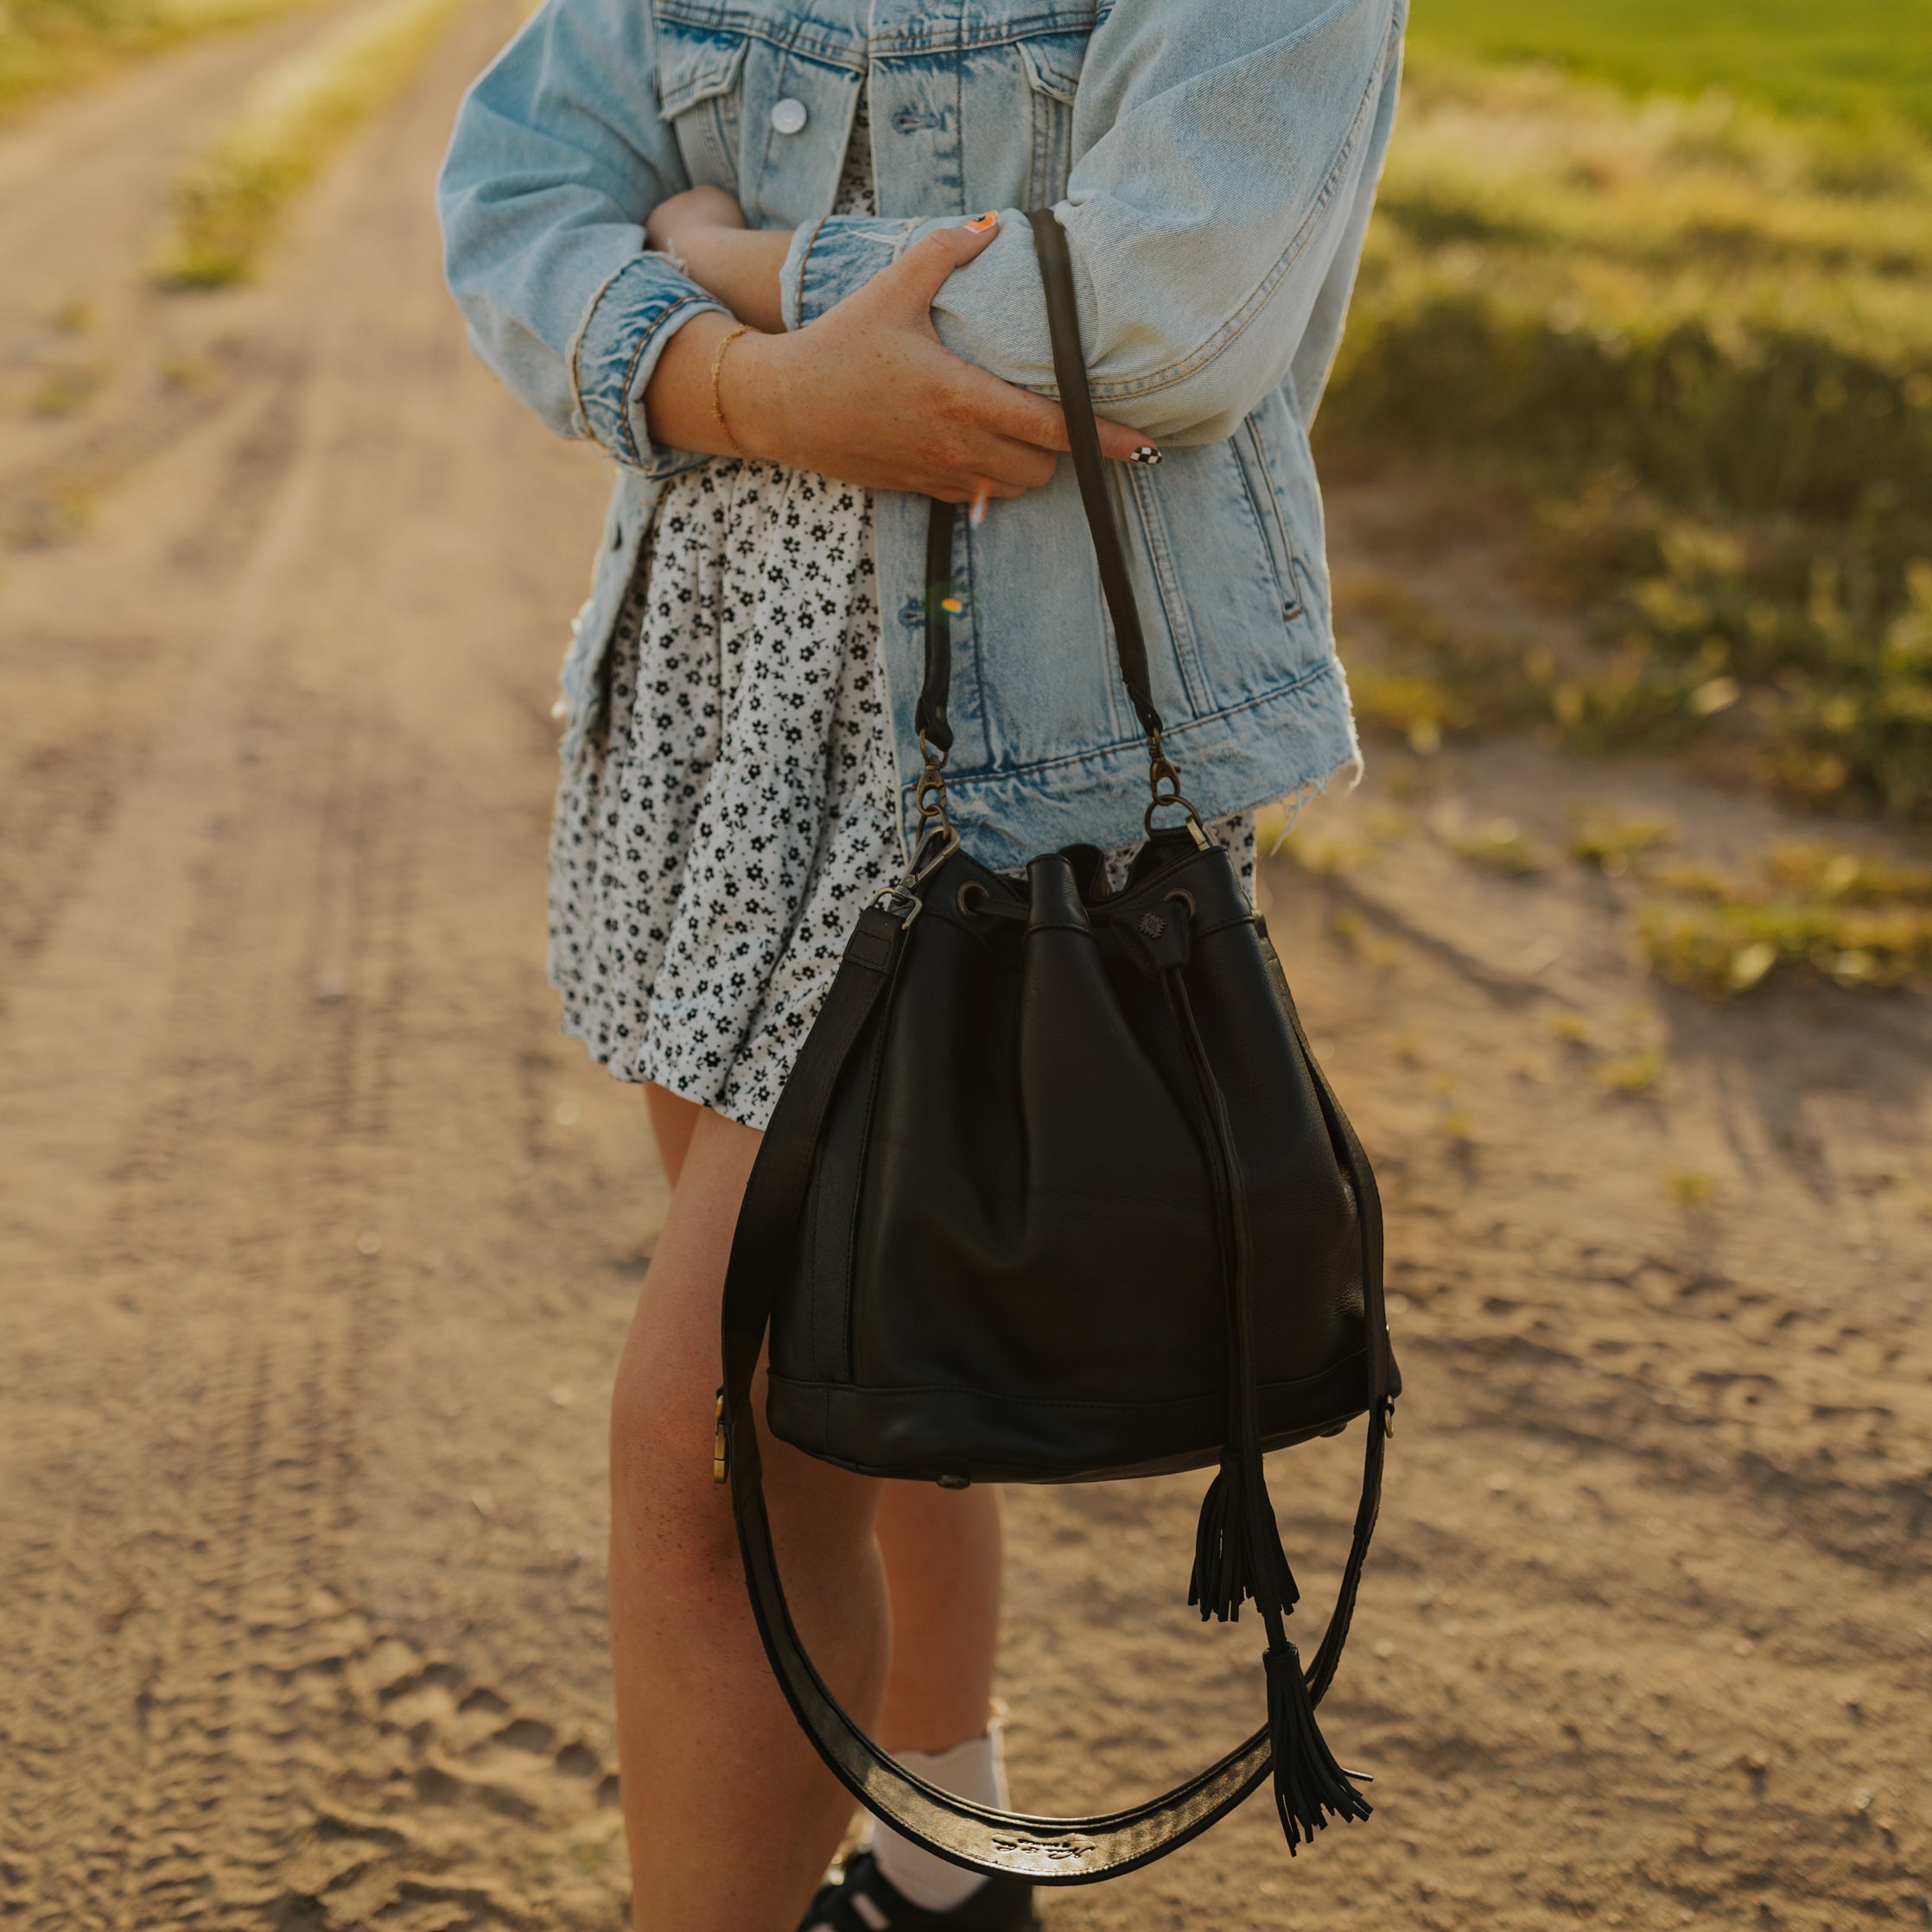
1070 372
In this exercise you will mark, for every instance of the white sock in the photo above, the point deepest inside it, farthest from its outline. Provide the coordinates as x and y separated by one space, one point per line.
975 1770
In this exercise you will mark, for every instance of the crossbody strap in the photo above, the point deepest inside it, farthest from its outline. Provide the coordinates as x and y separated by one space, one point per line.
1047 1851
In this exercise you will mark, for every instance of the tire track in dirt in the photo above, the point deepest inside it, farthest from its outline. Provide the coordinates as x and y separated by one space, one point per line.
283 863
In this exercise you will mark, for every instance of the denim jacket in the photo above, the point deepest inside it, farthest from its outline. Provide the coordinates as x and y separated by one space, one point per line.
1213 163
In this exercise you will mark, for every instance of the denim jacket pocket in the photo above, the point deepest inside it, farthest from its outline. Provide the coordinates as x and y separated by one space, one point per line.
1251 460
699 73
1052 64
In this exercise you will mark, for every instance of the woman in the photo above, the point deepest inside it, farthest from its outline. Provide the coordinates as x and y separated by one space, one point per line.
729 241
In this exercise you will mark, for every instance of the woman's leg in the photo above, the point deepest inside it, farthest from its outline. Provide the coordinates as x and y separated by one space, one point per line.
673 1119
942 1555
730 1816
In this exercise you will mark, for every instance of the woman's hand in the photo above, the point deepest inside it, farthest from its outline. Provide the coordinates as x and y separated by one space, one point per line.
869 393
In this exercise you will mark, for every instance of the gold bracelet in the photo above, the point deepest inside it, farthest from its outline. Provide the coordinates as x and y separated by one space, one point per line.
717 401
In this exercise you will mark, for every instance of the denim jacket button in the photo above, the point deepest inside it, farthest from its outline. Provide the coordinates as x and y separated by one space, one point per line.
789 116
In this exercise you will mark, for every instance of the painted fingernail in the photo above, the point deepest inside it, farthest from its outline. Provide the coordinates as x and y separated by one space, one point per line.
1146 454
981 496
981 223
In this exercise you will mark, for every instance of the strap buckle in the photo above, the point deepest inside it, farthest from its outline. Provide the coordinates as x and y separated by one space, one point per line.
1164 782
929 799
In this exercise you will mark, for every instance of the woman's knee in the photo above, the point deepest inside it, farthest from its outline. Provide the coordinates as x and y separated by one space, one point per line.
661 1457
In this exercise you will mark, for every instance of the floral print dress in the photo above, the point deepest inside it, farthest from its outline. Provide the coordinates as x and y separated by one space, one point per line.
715 844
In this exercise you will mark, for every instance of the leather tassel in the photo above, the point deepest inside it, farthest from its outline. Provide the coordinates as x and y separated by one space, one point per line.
1310 1786
1225 1566
1220 1578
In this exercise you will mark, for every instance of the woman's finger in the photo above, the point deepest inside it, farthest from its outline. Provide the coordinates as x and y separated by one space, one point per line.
917 277
1126 445
1029 418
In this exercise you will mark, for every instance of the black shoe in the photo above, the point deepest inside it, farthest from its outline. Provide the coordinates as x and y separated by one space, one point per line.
862 1899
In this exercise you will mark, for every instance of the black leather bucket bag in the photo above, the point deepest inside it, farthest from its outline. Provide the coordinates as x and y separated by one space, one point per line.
1056 1192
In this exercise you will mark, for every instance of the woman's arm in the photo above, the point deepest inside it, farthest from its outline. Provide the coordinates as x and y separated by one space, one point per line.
1226 159
705 229
558 151
866 393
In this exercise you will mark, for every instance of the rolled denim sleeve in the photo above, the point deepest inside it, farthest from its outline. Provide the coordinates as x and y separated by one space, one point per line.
559 152
1226 158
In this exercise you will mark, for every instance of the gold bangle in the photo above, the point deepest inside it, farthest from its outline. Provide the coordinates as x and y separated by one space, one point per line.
717 401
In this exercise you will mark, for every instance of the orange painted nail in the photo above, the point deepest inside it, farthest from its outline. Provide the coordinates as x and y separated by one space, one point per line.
981 223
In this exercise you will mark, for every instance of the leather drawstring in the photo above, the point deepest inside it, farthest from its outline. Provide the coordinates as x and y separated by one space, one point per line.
1238 1545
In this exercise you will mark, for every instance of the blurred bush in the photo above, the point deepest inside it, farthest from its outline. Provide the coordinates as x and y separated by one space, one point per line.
300 110
1690 346
1849 59
46 45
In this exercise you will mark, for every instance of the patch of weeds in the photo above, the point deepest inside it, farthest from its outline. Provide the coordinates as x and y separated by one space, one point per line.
59 511
1439 678
1608 841
1839 915
1820 870
232 198
1632 1075
1689 347
1412 779
1327 856
1273 824
1362 939
49 45
1334 852
1689 1187
1690 879
187 374
68 389
1571 1028
1500 846
1410 705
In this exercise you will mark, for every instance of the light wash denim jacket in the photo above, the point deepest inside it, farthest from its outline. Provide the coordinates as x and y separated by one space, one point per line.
1213 163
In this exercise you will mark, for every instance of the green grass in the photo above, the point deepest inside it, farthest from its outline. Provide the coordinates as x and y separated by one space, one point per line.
1813 908
46 46
1845 58
1686 348
233 197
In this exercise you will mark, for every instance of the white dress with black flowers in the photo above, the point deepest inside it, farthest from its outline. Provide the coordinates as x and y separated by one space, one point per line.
715 842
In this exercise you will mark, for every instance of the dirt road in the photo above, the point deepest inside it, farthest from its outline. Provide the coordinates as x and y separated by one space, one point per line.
316 1244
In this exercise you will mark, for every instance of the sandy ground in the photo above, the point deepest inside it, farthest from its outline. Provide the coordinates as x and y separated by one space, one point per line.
316 1243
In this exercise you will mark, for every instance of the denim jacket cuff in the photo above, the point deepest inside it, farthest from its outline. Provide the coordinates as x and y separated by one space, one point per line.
615 354
829 259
